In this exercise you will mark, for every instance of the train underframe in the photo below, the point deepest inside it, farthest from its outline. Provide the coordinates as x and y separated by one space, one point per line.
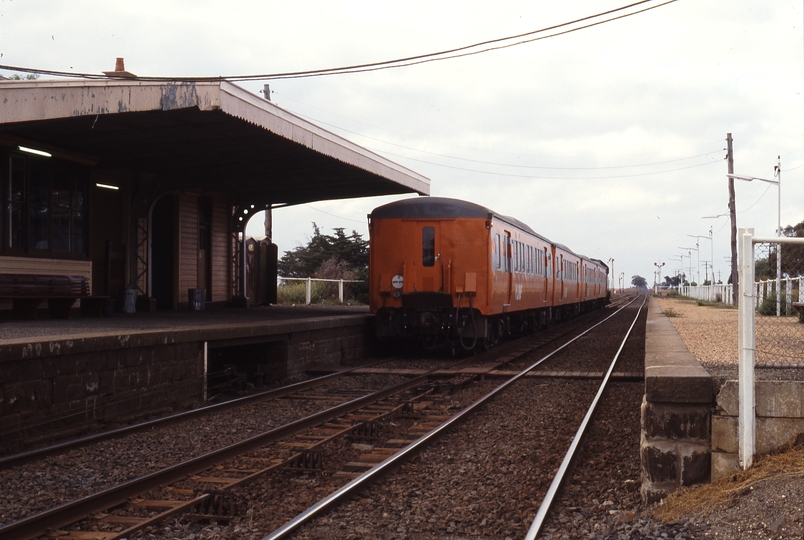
435 323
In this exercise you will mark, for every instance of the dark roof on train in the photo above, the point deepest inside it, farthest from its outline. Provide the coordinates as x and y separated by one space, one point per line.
430 208
442 208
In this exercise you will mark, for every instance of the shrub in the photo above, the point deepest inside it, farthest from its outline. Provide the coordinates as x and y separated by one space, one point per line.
295 292
768 305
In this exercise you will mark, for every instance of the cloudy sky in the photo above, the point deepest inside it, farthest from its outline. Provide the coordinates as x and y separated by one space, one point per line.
609 139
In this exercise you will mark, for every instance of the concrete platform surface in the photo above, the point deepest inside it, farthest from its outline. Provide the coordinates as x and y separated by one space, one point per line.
215 319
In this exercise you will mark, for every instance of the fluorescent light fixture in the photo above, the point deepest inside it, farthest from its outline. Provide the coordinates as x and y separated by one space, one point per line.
34 151
107 186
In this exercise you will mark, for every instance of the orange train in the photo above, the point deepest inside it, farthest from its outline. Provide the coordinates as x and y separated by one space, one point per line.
450 272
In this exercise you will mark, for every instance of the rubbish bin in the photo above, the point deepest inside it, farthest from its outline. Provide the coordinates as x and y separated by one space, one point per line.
196 298
130 304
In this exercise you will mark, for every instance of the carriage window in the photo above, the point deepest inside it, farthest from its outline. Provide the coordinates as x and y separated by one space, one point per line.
428 246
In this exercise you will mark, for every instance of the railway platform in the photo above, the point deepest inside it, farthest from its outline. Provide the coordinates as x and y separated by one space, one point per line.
676 414
58 373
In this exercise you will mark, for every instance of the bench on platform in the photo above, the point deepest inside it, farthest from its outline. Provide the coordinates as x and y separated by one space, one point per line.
799 306
27 291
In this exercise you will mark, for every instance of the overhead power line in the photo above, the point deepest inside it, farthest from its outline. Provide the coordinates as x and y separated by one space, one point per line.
467 50
541 177
500 164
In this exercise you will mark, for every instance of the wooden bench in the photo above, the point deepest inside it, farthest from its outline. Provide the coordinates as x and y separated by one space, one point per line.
27 291
799 306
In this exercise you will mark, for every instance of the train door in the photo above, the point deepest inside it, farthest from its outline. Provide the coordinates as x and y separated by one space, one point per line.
509 276
431 275
544 272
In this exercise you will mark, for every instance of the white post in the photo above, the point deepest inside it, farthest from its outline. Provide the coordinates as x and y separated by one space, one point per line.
340 290
747 404
788 294
779 234
308 290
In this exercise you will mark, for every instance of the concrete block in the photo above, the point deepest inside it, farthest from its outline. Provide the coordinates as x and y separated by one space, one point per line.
727 399
32 369
695 463
774 434
130 357
43 393
106 382
19 397
676 422
61 388
725 433
653 493
121 382
51 367
724 464
91 382
99 361
780 399
659 461
12 372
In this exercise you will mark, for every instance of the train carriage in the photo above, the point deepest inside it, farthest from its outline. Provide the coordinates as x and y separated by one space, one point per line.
449 271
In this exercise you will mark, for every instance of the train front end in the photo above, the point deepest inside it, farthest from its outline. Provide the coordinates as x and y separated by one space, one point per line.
428 269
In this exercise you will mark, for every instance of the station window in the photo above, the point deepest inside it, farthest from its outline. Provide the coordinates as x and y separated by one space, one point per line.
42 208
428 246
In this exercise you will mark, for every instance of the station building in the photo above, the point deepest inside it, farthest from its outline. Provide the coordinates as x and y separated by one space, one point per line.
144 188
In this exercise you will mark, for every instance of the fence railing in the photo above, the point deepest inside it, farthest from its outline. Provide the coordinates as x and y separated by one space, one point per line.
710 293
309 285
765 331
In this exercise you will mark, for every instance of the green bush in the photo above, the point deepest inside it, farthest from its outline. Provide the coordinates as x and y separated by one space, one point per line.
295 292
321 292
768 305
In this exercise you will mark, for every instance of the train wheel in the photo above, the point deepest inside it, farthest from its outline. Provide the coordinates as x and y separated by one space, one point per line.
492 336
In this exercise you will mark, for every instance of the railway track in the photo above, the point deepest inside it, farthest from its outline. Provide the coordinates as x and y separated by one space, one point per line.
205 493
357 485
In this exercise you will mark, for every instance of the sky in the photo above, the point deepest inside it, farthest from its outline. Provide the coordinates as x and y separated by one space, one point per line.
609 139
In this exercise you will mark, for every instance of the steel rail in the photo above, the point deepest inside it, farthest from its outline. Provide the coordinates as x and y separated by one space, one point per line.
37 524
391 462
32 455
538 521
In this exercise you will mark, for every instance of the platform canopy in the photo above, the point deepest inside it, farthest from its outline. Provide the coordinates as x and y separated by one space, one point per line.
196 135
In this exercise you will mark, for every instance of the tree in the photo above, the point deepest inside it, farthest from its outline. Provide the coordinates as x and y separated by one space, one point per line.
332 257
792 257
639 282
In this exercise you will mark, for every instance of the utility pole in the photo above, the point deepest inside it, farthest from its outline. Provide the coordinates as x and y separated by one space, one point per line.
735 292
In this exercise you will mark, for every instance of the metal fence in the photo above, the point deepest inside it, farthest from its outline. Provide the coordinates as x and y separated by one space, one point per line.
771 318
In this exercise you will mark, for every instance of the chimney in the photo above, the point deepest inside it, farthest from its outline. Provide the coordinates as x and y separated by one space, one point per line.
119 71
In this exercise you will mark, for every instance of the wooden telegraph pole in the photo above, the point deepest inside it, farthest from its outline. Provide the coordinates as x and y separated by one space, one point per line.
733 213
